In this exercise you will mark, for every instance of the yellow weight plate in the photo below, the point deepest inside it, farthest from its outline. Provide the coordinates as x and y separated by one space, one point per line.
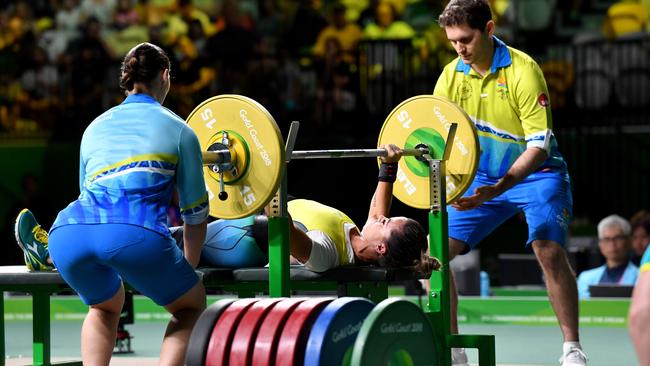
259 135
425 119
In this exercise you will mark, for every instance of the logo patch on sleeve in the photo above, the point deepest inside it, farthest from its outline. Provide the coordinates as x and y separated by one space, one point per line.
543 100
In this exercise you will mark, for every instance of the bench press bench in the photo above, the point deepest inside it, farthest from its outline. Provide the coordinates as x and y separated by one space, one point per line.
368 282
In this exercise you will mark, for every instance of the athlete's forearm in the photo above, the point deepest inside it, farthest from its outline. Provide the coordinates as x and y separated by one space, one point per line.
381 200
528 162
193 238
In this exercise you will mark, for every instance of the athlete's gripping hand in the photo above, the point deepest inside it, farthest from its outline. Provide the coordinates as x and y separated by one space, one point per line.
481 194
394 153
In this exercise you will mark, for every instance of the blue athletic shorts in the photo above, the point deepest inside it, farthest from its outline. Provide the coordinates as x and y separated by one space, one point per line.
544 197
94 259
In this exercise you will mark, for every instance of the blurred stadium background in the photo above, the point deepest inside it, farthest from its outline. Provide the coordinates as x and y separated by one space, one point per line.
338 67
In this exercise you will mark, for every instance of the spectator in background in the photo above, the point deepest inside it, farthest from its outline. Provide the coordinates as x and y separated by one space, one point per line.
347 35
614 244
194 76
263 81
40 90
182 15
307 23
367 15
231 49
102 10
125 15
270 24
422 14
68 19
335 98
386 24
149 13
9 106
640 223
86 61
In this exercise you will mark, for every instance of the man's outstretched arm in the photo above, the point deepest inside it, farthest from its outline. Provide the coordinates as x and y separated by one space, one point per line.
381 200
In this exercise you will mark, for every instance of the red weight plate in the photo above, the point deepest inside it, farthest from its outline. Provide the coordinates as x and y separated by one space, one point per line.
224 330
197 348
291 348
243 343
268 336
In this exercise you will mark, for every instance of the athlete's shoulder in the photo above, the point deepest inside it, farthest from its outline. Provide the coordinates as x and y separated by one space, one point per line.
171 115
109 115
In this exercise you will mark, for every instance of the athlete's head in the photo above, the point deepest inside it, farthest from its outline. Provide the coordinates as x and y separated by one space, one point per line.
400 242
145 69
469 28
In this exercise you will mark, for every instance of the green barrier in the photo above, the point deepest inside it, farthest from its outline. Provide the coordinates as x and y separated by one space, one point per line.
471 310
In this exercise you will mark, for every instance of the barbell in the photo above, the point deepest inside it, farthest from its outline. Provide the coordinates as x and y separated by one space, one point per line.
244 154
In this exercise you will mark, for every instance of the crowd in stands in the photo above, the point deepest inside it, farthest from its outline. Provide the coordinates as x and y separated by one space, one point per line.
292 56
299 58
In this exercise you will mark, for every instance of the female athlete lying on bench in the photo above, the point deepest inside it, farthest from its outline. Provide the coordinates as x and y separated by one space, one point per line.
321 237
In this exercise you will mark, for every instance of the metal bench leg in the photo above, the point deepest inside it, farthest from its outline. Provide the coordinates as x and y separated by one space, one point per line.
2 328
41 328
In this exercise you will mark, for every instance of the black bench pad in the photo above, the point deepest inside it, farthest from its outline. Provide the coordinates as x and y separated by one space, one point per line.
19 275
339 274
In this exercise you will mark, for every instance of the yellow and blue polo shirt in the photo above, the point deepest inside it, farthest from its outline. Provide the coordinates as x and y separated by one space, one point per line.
509 106
645 261
132 158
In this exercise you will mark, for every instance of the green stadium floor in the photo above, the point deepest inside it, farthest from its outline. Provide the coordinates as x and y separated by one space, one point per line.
515 345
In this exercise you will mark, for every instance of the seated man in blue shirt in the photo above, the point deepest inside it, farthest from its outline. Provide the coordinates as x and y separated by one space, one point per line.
614 244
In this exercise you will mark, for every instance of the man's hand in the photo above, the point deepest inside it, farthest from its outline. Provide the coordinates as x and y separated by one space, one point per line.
481 194
394 153
525 164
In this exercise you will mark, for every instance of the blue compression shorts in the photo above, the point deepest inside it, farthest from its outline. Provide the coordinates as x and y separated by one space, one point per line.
232 244
544 197
94 259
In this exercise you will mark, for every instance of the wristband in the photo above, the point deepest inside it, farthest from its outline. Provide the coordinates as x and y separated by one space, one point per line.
387 172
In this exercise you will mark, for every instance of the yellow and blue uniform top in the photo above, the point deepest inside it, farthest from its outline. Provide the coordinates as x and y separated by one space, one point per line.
317 216
645 261
132 158
509 106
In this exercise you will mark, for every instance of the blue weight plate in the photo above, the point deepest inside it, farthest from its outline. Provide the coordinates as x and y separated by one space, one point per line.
335 330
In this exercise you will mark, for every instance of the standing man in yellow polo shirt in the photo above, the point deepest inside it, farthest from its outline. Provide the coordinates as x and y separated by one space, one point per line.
521 169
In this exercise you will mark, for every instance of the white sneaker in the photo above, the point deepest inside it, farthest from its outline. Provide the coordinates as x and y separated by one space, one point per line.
459 357
574 357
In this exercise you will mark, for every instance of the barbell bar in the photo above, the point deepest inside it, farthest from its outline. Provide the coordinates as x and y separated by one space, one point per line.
220 156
